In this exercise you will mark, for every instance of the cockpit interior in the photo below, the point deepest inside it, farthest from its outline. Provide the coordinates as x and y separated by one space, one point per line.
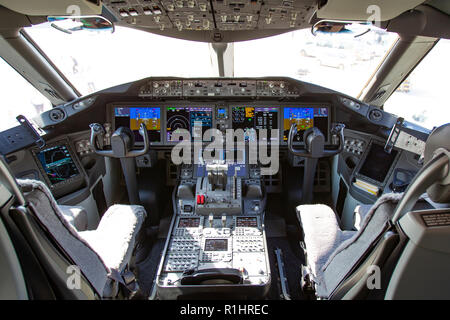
315 183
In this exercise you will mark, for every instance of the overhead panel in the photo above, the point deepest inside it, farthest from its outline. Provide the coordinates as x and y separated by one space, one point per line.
285 14
214 15
54 7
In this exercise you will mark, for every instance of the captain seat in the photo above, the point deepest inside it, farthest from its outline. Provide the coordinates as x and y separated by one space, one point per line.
334 256
58 237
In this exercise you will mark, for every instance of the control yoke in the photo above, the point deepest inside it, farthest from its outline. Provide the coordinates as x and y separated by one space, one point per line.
315 142
314 149
122 143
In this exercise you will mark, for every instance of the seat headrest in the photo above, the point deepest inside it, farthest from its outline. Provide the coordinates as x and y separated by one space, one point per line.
438 138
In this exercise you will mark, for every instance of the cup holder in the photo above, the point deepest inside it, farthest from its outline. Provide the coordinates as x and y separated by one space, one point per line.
351 162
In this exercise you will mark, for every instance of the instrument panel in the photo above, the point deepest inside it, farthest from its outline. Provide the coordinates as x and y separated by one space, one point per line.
195 120
168 123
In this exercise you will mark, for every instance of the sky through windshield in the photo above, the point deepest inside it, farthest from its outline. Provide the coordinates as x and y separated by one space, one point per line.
96 60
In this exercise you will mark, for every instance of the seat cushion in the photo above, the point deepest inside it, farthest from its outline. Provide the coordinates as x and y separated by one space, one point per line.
322 234
115 237
76 216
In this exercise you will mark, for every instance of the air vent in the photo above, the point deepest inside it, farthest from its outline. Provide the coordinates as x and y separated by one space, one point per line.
57 115
375 115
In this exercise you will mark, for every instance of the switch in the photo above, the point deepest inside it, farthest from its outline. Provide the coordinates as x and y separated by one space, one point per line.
133 12
157 10
211 220
224 221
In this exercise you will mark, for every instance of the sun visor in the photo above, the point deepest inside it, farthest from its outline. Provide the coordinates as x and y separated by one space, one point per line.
54 7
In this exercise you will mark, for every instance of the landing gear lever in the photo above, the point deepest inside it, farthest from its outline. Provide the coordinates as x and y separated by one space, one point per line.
122 144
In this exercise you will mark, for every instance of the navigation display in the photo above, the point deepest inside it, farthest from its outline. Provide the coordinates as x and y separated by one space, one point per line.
196 120
305 117
251 119
132 117
58 164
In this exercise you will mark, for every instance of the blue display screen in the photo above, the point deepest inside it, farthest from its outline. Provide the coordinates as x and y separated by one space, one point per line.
305 118
132 117
58 164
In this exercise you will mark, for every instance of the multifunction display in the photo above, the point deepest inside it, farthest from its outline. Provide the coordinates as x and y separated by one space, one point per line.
195 120
251 222
216 245
251 119
132 117
57 164
377 163
305 117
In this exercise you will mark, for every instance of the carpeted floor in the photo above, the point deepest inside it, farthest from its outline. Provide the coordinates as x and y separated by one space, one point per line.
146 270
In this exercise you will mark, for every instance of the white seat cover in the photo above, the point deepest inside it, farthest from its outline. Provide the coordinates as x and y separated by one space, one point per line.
115 236
331 252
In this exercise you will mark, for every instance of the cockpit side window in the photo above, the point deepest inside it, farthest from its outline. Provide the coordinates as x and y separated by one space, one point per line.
18 96
422 98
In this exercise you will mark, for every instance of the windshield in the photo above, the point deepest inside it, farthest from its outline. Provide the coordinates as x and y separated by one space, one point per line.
336 61
97 60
